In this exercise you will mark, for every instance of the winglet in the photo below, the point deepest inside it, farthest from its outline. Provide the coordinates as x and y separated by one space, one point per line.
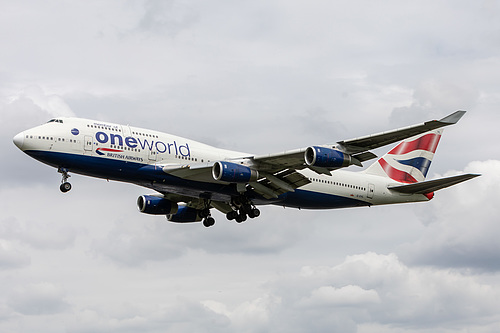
453 118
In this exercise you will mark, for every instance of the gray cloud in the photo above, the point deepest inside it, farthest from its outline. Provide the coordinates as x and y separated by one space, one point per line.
11 257
368 290
462 224
183 316
259 77
167 17
38 299
39 234
24 109
132 243
433 100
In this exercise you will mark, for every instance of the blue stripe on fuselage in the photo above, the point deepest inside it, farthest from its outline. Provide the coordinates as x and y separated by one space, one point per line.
152 176
146 175
316 200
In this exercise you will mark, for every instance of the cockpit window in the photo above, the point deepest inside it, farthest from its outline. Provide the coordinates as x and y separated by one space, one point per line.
55 121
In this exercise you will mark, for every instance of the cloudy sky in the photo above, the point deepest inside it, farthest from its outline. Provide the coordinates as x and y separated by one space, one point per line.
259 77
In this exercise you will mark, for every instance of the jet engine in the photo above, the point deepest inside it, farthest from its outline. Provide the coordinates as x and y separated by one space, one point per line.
185 214
326 157
233 173
156 205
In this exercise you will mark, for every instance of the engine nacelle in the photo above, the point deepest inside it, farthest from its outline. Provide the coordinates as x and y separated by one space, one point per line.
184 215
233 172
155 205
326 157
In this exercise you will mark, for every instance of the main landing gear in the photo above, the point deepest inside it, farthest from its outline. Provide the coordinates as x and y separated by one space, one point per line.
208 220
65 186
243 208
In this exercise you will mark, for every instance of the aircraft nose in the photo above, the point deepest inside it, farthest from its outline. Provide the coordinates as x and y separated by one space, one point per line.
19 140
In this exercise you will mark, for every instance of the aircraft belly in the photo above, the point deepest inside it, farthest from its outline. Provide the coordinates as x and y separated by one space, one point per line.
88 165
147 175
316 200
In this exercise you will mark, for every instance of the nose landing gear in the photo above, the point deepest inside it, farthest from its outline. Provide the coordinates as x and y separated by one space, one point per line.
65 186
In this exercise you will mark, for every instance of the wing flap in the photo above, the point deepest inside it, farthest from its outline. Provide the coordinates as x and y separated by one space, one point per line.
272 185
431 185
280 161
265 191
195 171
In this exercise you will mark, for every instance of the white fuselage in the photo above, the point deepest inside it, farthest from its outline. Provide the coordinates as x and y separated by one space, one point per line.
136 155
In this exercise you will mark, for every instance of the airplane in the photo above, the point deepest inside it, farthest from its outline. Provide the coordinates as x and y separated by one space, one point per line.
190 178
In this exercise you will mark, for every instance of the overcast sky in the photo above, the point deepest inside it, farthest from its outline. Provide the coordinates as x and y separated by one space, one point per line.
259 77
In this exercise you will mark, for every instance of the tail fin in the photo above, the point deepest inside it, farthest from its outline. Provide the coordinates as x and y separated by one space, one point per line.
410 160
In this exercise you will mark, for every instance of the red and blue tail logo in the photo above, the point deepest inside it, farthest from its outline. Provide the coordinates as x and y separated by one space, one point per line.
410 160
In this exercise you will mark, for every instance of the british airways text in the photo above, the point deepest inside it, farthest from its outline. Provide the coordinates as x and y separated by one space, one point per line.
131 142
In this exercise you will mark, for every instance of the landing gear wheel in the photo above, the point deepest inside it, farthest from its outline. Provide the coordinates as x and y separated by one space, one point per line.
242 217
65 187
232 215
254 212
209 221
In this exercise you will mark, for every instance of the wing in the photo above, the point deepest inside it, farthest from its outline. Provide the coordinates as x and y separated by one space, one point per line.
373 141
284 165
272 181
278 173
359 147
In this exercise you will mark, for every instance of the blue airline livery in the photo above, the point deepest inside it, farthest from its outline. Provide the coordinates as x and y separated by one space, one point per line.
190 178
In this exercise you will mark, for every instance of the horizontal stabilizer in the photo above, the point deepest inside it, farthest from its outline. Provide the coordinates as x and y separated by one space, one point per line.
431 185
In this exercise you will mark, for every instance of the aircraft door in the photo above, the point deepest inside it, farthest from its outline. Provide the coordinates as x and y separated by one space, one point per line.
152 154
88 143
371 191
126 131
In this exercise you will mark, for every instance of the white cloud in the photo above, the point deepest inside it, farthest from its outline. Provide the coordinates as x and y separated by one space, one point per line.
370 288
